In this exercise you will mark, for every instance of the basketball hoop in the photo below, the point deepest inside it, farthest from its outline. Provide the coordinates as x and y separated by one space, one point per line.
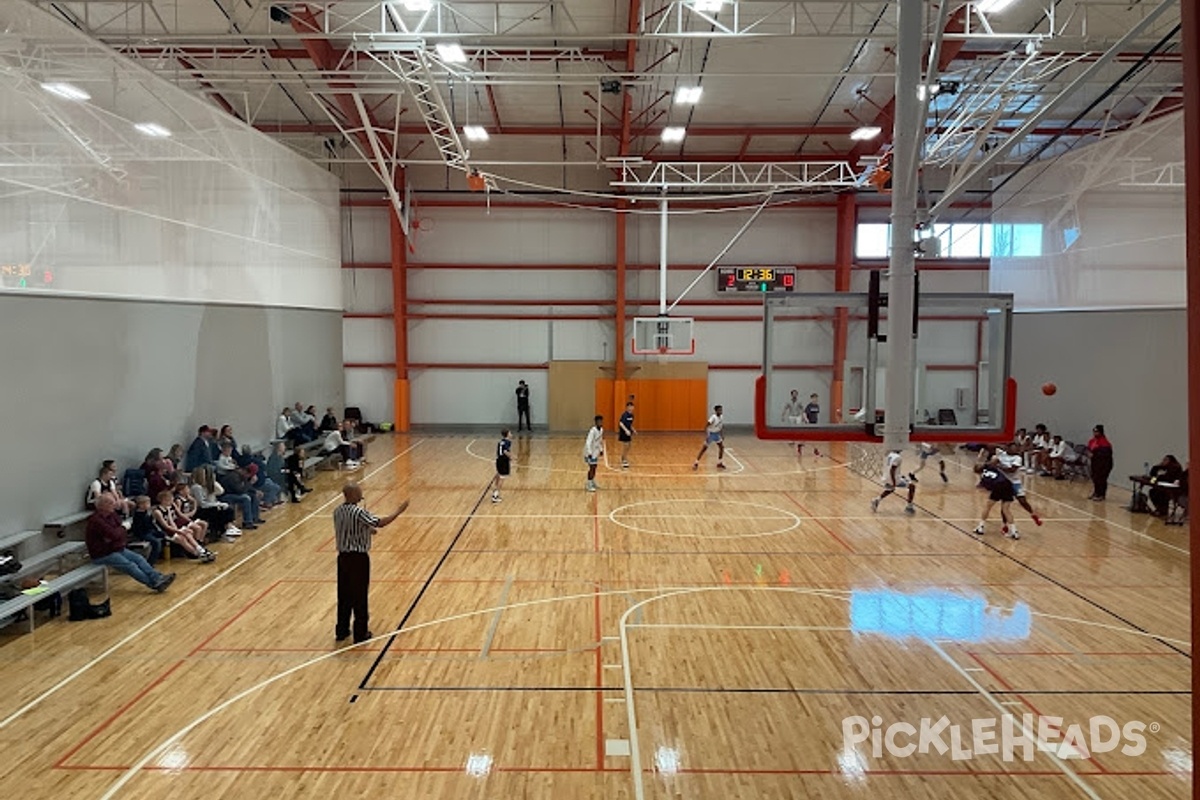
662 337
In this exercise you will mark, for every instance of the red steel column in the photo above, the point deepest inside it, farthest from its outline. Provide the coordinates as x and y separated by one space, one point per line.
400 314
847 217
1190 19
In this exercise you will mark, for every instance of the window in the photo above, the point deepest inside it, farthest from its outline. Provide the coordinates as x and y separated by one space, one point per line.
873 240
960 240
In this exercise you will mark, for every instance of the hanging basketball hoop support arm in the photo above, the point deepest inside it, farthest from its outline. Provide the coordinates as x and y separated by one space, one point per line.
662 256
745 227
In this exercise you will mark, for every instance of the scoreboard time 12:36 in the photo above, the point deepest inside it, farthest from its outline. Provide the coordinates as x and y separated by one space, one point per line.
756 279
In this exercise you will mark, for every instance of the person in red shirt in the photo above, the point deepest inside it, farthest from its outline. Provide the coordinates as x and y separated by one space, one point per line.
106 545
1101 450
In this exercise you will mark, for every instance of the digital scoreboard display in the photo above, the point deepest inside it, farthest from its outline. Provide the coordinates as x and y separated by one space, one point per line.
756 279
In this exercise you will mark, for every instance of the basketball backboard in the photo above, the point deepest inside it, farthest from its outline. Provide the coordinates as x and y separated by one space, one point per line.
834 345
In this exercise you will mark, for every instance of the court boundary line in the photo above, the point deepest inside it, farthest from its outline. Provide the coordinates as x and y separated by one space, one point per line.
134 769
214 580
420 593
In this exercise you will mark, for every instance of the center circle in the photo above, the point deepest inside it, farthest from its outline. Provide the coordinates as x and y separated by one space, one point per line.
782 515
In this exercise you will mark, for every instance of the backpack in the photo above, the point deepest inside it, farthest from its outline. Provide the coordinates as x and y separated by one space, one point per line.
133 482
81 608
9 564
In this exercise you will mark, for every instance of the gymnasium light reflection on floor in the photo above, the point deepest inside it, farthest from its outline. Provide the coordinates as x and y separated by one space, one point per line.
936 614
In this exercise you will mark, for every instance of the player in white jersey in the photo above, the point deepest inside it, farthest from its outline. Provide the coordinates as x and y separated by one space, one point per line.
1010 465
713 434
793 414
593 449
924 451
892 481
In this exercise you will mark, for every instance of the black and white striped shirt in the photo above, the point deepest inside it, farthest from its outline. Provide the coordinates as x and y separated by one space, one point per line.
354 526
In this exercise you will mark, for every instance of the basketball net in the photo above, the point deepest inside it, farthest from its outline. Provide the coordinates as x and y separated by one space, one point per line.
866 459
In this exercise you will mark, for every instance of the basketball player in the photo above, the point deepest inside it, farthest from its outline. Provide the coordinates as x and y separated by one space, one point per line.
593 449
924 451
1010 465
793 414
625 433
812 411
713 434
892 481
503 462
1000 490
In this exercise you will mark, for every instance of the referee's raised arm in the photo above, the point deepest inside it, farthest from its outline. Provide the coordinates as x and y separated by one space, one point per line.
353 495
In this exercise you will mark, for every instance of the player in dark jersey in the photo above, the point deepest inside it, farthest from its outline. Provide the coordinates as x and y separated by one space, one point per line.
625 434
812 411
503 463
1000 490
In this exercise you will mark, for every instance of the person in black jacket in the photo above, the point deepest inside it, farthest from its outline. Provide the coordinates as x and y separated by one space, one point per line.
523 405
1168 471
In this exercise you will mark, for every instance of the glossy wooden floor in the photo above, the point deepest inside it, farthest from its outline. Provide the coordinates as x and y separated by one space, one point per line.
717 627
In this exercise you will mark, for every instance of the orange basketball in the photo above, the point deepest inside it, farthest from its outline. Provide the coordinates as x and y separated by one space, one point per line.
1049 389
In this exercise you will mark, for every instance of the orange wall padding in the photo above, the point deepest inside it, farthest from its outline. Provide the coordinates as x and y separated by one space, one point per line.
664 404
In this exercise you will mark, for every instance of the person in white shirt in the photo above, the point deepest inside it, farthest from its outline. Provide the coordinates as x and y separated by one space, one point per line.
341 441
283 425
1058 455
713 434
593 449
793 409
1010 465
226 462
893 481
1039 445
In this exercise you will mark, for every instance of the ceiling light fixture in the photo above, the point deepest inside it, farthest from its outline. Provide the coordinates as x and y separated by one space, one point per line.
152 129
475 133
688 95
866 133
709 6
451 53
992 6
417 5
673 134
66 91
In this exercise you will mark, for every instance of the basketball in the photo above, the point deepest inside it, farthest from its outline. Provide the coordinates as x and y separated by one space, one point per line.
1049 389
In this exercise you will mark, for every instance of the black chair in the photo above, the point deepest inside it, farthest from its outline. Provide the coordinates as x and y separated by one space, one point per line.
946 416
355 413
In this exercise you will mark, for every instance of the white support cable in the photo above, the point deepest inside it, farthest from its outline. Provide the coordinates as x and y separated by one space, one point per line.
728 246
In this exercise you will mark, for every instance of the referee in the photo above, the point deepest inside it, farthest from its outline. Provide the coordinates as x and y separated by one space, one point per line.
354 527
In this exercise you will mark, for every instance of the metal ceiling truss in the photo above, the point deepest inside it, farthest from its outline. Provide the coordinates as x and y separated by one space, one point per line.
635 173
414 70
530 21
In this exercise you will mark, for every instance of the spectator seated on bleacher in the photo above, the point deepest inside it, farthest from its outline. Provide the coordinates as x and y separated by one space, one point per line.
284 429
286 470
226 463
173 460
304 422
1037 449
180 530
219 515
262 483
1058 457
329 422
1168 471
106 545
143 529
339 441
156 476
106 483
240 494
198 452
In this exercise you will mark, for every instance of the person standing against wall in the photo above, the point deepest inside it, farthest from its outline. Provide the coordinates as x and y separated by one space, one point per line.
1101 450
523 406
354 528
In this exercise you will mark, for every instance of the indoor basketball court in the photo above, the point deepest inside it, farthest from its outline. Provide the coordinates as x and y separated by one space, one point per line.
699 346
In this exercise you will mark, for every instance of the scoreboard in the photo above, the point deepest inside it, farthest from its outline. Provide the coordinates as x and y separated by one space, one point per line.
756 279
